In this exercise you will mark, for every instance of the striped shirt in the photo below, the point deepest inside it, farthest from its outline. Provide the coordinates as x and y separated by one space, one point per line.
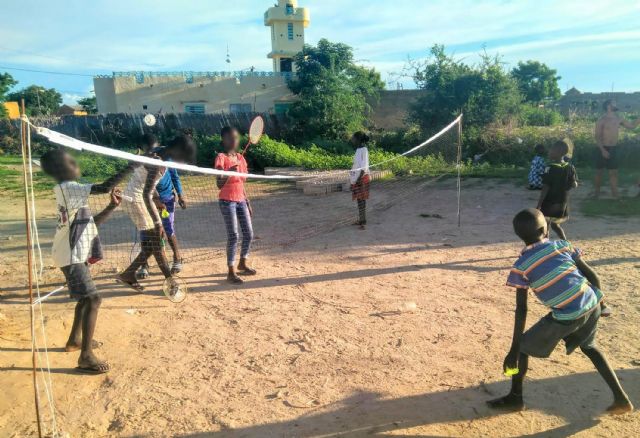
549 269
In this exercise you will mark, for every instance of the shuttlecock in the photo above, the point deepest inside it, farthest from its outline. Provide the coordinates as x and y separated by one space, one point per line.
149 120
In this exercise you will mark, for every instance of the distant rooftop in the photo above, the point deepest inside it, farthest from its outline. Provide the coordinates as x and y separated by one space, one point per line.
189 75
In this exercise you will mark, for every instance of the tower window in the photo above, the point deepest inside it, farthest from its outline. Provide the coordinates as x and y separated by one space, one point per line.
289 9
290 30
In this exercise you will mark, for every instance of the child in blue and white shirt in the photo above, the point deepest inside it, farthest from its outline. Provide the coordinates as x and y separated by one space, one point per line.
537 169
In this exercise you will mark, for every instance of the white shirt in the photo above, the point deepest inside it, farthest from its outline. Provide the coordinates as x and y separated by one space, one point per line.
360 163
76 233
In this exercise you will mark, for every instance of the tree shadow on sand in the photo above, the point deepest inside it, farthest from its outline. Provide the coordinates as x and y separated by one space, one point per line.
576 398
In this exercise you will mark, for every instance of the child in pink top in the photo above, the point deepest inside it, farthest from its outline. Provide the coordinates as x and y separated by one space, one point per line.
234 204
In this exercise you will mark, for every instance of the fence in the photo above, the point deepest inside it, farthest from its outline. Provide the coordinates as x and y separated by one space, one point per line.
113 129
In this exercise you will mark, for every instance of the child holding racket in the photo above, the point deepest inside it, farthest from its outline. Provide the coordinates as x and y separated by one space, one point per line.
234 205
76 245
567 285
169 190
144 212
359 175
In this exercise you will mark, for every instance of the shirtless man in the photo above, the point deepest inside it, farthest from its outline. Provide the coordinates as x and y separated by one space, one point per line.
607 130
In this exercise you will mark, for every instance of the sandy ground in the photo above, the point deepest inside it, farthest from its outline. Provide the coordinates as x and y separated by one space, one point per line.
397 330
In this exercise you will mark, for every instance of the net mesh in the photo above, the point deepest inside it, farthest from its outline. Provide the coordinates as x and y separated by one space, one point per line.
286 205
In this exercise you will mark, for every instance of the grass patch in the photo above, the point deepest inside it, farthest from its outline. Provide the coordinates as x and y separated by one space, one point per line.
624 207
11 177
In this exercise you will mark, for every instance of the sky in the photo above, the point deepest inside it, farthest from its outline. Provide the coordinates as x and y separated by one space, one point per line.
594 45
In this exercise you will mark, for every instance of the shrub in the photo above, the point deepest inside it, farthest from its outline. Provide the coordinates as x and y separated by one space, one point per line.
535 116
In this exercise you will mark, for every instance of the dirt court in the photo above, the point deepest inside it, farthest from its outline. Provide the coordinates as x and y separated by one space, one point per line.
399 330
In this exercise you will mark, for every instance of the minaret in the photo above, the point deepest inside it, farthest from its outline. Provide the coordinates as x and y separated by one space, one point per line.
287 22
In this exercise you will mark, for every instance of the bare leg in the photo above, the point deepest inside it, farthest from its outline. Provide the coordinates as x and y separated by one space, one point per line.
75 337
513 401
173 243
613 181
621 403
558 230
88 361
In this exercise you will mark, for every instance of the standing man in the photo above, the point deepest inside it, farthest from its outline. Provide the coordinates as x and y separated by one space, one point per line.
607 131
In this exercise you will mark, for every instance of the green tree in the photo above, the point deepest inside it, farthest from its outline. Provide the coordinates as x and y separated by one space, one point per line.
485 93
6 82
332 92
38 100
89 104
537 82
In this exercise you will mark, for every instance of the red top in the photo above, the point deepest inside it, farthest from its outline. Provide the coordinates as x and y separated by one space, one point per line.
233 190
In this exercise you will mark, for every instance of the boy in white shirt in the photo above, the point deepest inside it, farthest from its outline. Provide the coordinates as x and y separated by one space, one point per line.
76 244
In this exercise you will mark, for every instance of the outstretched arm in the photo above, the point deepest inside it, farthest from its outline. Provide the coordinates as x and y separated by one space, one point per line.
116 198
630 125
109 184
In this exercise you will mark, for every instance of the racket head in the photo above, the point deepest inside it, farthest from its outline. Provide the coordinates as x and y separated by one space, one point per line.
256 129
175 289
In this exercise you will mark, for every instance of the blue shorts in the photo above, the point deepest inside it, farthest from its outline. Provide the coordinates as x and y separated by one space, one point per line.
168 222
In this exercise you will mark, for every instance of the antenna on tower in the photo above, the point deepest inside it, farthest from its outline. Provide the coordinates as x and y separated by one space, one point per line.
228 56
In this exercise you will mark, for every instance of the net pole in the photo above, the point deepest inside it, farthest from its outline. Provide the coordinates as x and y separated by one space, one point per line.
27 216
459 166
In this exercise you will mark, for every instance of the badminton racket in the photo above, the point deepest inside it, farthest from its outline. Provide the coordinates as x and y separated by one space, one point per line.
255 132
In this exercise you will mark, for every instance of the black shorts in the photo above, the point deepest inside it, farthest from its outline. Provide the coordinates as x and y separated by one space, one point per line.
543 336
556 213
79 281
611 163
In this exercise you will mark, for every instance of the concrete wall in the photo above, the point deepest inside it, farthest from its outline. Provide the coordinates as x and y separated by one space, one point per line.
592 102
170 94
391 111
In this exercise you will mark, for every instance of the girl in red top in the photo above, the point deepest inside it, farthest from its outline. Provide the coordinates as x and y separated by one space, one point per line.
234 204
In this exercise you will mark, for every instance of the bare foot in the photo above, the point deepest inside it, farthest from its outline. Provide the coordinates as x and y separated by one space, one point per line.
619 408
510 402
244 269
75 346
91 364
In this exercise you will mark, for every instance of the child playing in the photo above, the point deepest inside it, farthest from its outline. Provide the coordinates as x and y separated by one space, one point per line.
360 177
562 281
76 245
144 212
559 177
537 168
169 186
234 204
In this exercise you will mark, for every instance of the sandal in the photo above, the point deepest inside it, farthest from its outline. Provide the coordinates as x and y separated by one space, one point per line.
131 284
234 279
143 273
247 271
90 367
72 347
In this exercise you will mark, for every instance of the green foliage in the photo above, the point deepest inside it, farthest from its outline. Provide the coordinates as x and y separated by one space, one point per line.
332 92
624 207
89 104
537 116
6 82
38 100
485 93
537 82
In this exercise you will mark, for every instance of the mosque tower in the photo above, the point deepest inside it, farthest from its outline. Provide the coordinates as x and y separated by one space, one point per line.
287 22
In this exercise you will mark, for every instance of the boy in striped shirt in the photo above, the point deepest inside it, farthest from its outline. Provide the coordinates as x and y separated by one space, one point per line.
562 281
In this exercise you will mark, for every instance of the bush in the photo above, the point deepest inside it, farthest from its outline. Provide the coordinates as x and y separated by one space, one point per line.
535 116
